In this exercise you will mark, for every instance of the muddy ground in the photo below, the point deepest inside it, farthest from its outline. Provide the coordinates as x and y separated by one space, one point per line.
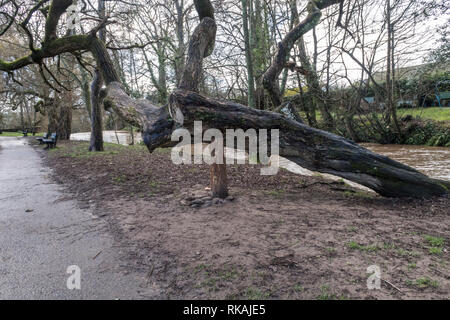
282 237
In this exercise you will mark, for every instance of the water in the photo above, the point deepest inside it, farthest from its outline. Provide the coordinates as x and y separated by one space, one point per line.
124 137
432 161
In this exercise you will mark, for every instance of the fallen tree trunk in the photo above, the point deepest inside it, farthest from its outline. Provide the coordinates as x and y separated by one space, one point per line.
308 147
311 148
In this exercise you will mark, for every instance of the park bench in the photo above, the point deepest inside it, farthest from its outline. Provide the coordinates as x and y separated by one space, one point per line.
25 133
41 139
51 142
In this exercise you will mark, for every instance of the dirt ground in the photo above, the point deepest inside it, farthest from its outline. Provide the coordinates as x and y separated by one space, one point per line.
282 237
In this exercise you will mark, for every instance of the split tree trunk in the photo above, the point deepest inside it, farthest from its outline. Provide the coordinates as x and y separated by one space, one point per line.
200 47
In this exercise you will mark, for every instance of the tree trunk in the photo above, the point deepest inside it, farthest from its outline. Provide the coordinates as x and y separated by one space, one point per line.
248 57
310 148
64 126
96 143
179 58
218 180
272 74
201 46
86 91
22 118
313 83
96 114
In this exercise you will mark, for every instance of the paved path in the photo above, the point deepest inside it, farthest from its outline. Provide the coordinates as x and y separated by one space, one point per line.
42 234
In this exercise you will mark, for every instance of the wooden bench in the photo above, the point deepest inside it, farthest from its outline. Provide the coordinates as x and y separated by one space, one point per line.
51 142
41 139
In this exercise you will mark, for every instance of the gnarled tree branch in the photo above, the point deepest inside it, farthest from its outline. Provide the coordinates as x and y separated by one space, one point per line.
270 78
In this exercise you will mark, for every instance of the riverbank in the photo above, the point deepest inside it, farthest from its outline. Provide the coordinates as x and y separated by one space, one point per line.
282 237
414 131
434 113
419 126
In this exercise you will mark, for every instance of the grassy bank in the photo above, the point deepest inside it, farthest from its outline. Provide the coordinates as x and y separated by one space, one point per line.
435 114
11 134
419 126
429 127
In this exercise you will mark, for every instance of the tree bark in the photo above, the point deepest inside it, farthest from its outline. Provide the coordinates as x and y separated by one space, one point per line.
179 58
248 56
390 70
272 74
96 143
218 180
313 83
64 127
310 148
202 46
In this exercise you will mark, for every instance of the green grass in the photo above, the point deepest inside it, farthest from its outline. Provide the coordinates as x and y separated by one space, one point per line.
400 251
436 114
434 241
11 134
256 294
389 246
436 244
356 246
412 266
326 294
276 193
153 184
406 253
423 283
435 250
359 194
298 288
81 150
